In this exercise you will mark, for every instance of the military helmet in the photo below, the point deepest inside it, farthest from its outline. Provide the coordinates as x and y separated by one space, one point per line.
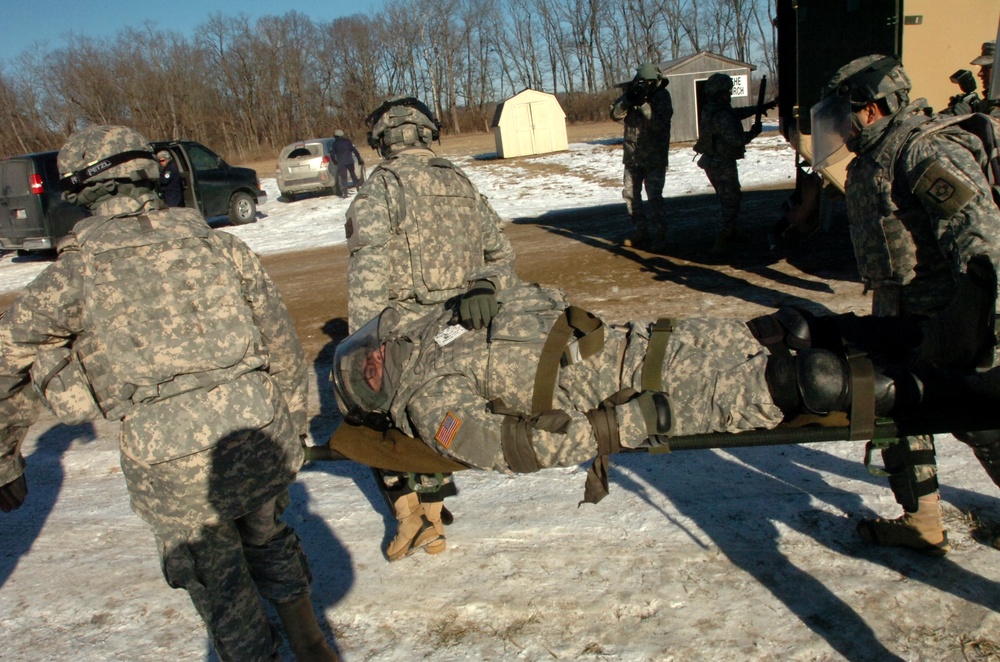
100 153
359 383
718 83
401 122
648 71
869 79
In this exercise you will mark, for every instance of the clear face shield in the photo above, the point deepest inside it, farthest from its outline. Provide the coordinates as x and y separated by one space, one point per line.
358 372
832 128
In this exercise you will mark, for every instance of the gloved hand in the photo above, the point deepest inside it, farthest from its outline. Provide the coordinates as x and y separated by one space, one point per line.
960 105
361 161
478 306
773 103
754 131
12 494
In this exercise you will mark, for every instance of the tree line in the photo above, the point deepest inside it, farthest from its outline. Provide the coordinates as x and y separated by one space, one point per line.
248 87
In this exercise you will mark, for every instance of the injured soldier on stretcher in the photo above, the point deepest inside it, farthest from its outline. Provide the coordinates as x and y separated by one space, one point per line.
547 384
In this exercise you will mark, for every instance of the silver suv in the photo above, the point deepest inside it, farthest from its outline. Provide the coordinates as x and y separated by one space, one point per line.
306 166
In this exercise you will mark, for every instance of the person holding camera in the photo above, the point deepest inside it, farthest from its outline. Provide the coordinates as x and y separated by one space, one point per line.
646 110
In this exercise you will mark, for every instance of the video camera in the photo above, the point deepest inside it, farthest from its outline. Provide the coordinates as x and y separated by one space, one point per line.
968 101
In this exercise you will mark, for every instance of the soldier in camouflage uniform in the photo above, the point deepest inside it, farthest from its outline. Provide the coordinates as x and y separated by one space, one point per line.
926 232
721 142
151 318
548 384
420 234
646 109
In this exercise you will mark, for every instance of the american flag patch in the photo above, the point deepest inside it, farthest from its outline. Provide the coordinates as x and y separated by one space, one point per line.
447 430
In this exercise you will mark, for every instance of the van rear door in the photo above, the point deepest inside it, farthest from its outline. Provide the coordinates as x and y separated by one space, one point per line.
21 214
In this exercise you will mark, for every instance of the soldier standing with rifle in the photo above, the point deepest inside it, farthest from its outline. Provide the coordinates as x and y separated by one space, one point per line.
721 142
646 109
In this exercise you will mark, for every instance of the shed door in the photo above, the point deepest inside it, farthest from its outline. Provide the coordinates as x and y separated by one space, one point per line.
541 121
523 138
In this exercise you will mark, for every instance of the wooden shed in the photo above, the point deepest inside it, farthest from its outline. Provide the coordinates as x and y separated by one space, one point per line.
687 76
530 122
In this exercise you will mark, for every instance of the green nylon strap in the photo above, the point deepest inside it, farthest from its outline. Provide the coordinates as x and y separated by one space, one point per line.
590 340
862 398
652 367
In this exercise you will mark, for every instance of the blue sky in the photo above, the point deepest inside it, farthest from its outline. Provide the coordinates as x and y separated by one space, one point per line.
45 22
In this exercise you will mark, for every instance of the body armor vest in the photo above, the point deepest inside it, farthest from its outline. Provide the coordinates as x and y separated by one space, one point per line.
439 227
889 227
163 313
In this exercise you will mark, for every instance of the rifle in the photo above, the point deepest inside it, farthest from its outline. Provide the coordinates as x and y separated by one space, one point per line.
760 103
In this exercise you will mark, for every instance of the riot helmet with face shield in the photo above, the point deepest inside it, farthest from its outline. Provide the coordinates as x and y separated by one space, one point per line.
359 380
836 128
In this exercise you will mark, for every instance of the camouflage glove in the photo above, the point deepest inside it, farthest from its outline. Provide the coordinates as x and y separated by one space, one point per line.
478 306
12 494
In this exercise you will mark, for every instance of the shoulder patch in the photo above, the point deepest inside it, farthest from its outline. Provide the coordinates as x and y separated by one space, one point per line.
944 189
447 430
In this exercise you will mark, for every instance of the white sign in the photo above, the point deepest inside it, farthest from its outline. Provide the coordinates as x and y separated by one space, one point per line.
740 86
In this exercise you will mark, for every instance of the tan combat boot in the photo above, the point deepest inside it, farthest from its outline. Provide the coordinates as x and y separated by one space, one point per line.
415 530
304 634
433 513
922 530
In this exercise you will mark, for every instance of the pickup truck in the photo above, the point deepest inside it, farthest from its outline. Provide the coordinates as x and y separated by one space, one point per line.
212 186
33 216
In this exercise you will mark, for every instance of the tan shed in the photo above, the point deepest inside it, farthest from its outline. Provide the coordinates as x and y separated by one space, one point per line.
530 122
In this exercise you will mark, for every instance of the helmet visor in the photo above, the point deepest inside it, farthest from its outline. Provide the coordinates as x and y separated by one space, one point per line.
832 127
358 376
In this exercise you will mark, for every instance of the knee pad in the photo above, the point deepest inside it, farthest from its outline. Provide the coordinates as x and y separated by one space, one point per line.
823 380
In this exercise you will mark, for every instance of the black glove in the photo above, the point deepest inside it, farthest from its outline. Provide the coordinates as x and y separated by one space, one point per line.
361 161
773 103
12 494
478 306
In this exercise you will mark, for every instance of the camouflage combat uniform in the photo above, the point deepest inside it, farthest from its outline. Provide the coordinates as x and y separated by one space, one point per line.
419 233
722 142
714 374
646 156
919 210
176 331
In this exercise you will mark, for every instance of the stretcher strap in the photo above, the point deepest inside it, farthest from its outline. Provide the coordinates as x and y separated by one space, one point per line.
589 340
862 398
652 367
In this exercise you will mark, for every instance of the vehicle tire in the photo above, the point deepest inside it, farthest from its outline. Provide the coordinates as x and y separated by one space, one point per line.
288 196
242 208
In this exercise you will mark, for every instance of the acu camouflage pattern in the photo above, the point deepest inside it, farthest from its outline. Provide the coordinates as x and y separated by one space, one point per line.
227 568
196 448
919 208
713 373
419 232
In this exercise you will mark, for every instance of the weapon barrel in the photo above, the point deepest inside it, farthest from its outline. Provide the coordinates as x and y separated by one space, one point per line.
760 99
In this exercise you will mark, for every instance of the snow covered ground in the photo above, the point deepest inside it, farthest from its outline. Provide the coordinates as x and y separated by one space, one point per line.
748 554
